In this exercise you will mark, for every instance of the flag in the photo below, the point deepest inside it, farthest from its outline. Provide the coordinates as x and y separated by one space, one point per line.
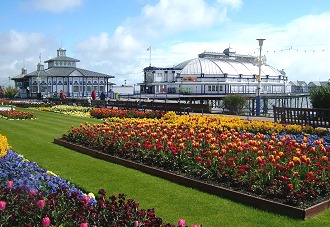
149 48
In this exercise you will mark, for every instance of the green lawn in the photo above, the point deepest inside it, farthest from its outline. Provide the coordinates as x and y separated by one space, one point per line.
34 140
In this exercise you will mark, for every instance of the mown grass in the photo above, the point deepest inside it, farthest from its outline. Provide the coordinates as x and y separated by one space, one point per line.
34 140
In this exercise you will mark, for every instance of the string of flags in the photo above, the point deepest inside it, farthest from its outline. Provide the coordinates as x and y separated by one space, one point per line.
293 49
127 73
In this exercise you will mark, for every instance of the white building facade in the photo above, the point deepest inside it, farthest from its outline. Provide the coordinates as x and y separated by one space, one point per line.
62 74
215 73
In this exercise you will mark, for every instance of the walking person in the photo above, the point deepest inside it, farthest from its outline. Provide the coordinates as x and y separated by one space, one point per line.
93 95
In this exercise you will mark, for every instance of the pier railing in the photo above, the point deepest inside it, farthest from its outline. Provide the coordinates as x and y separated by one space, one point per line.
178 107
302 116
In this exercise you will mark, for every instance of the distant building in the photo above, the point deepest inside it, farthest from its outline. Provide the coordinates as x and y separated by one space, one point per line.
61 75
214 73
299 86
314 84
121 91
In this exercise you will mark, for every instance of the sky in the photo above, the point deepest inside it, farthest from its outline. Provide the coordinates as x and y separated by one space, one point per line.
113 37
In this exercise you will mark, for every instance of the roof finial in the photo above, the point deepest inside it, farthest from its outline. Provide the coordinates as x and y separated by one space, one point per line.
39 57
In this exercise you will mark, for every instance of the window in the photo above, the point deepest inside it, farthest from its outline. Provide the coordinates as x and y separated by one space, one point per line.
43 88
209 88
75 88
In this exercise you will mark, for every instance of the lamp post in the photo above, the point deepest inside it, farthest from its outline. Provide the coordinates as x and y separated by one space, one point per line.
261 41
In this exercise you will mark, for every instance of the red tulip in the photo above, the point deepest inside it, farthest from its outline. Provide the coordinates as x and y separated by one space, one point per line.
290 186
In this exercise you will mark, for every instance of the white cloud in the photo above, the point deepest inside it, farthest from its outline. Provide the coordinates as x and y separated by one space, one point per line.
23 49
236 4
170 16
55 6
305 46
126 51
123 51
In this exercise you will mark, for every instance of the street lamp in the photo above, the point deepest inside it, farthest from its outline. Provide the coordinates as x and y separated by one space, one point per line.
261 41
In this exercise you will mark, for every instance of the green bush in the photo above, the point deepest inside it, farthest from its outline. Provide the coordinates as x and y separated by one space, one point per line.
234 104
320 97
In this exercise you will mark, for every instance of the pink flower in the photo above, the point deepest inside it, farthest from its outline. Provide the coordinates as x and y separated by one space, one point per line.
84 224
181 223
10 184
45 222
41 203
86 199
32 192
196 226
136 223
2 205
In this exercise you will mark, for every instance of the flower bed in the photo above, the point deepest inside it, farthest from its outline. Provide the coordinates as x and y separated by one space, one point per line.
16 114
4 146
4 102
79 111
102 113
32 196
229 193
290 169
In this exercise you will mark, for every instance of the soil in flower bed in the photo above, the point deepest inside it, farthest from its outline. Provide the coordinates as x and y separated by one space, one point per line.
223 189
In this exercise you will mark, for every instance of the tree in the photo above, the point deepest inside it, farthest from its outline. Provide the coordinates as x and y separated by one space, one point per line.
11 92
234 103
320 97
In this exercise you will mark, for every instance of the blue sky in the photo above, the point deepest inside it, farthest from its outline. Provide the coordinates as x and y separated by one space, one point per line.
112 37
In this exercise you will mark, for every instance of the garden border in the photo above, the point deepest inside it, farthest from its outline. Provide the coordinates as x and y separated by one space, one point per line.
257 202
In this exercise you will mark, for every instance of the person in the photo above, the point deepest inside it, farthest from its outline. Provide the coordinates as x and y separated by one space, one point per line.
55 95
89 100
62 96
102 96
93 95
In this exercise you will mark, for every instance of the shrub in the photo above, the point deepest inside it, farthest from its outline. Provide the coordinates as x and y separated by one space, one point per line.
320 97
234 103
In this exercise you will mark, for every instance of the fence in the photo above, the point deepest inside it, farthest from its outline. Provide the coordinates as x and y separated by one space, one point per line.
164 106
302 116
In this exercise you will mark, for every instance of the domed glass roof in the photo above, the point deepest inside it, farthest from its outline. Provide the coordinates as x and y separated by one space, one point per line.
219 64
